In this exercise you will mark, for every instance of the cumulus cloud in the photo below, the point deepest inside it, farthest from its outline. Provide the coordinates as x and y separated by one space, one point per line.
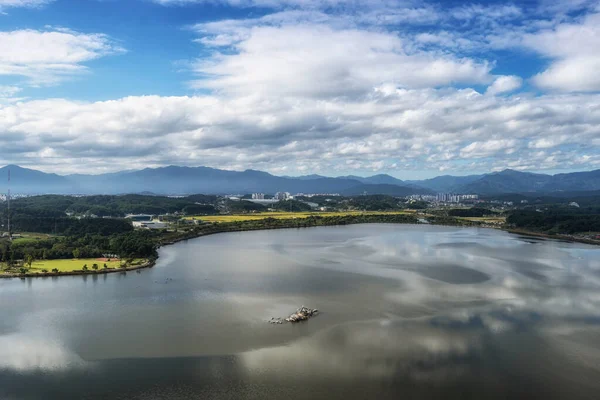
488 148
318 60
4 4
393 129
274 3
8 91
47 57
504 84
322 86
573 47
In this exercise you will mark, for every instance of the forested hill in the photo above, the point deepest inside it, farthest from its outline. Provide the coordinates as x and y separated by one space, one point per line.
557 219
113 206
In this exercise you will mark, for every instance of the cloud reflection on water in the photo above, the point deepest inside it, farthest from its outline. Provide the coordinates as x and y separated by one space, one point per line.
383 320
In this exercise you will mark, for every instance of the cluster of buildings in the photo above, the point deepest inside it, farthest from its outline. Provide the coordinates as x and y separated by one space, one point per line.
317 194
455 198
444 197
283 196
287 195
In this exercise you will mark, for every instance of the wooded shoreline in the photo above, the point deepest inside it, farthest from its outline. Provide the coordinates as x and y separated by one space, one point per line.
271 224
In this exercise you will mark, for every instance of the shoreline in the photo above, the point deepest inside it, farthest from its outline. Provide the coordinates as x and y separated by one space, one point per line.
566 238
149 264
285 224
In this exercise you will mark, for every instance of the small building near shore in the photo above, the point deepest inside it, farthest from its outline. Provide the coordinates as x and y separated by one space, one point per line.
149 225
139 217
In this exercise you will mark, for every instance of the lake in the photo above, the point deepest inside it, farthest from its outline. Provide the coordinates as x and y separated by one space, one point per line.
407 311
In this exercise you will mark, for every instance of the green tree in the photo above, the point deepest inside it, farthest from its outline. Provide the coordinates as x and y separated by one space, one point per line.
105 266
95 267
29 260
85 267
55 270
76 253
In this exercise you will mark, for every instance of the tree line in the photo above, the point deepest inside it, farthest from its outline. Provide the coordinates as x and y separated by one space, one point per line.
55 206
133 244
557 220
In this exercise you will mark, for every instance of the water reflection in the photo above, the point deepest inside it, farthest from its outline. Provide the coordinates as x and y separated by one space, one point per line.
408 311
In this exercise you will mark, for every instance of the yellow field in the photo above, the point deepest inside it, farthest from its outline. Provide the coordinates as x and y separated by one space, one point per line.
489 220
73 265
286 215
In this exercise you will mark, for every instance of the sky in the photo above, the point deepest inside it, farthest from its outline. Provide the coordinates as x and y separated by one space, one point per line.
413 89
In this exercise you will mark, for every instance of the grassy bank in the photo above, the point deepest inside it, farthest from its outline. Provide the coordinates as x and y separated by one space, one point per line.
291 215
42 267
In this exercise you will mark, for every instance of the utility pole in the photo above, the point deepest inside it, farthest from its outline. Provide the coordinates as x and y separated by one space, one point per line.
8 207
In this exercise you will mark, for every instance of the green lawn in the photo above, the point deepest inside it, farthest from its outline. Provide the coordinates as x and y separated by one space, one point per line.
28 237
75 264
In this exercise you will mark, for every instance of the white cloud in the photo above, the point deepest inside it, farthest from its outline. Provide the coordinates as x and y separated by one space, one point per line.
504 84
322 86
22 3
47 57
272 3
573 47
321 61
8 91
385 130
488 148
493 12
572 74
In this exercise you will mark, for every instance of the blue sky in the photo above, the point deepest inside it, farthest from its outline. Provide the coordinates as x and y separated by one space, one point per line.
410 88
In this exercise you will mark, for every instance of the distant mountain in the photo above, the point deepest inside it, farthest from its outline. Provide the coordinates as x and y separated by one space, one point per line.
191 180
579 181
24 180
183 180
375 179
446 183
306 177
510 181
382 188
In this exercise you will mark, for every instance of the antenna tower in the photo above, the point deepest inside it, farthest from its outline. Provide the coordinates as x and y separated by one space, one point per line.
8 206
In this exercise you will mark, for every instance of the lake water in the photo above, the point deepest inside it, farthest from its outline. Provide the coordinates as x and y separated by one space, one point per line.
408 311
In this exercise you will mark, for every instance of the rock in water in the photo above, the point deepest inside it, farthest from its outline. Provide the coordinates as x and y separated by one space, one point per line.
301 314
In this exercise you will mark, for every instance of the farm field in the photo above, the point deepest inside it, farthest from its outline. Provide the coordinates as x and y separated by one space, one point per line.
488 220
287 215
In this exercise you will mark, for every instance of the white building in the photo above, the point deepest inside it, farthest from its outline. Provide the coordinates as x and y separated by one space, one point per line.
282 195
258 196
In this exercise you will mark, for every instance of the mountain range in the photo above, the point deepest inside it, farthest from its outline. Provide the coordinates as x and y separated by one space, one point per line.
187 180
